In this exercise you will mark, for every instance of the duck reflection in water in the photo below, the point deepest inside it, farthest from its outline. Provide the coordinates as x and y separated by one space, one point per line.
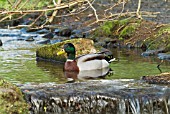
85 66
89 74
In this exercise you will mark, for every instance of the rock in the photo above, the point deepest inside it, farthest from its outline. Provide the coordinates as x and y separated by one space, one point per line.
63 32
163 78
1 43
44 42
53 41
48 35
76 34
113 44
56 31
50 52
29 38
42 31
152 52
104 96
11 99
164 56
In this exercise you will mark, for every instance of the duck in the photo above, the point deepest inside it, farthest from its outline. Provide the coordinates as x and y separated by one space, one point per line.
86 62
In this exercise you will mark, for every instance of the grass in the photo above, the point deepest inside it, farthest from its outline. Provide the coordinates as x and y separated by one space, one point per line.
24 5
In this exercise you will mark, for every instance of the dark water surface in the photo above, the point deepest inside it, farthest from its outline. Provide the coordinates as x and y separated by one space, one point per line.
18 62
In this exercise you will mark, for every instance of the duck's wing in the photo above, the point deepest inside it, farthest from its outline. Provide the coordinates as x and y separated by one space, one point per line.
108 55
89 57
91 62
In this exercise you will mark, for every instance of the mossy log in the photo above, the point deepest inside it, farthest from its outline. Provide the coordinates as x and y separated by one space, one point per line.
49 52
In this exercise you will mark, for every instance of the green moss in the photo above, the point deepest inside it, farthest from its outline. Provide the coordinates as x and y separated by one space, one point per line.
127 31
50 51
105 29
124 21
11 99
117 28
165 29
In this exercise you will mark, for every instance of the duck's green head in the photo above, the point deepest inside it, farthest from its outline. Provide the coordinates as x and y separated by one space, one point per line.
69 49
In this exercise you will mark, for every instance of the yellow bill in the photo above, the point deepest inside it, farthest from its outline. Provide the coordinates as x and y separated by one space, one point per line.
61 52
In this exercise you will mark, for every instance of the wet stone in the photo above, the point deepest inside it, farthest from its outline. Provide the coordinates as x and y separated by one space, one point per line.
164 56
42 31
29 38
104 96
163 78
48 35
152 52
0 43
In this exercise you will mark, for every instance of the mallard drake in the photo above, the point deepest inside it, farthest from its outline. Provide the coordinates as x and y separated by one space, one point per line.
84 62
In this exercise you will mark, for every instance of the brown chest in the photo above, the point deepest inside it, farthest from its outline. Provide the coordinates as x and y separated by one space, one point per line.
71 66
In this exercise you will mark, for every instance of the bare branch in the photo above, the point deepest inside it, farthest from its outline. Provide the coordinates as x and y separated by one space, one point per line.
16 4
137 12
97 19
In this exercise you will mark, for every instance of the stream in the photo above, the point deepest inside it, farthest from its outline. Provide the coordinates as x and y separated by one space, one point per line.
18 61
38 80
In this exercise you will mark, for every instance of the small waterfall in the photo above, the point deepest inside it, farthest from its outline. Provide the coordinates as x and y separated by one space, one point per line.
97 97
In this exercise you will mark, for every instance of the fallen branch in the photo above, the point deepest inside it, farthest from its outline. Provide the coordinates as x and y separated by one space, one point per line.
97 19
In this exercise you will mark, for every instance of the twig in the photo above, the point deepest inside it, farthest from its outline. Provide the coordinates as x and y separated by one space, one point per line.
137 12
97 19
16 4
55 12
37 19
23 5
10 2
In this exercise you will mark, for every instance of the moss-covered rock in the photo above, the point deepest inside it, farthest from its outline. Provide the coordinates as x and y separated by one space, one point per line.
11 99
49 52
120 28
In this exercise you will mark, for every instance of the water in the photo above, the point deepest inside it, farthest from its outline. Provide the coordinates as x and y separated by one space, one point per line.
18 62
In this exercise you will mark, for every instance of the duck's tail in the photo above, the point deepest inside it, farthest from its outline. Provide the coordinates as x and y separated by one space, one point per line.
108 56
